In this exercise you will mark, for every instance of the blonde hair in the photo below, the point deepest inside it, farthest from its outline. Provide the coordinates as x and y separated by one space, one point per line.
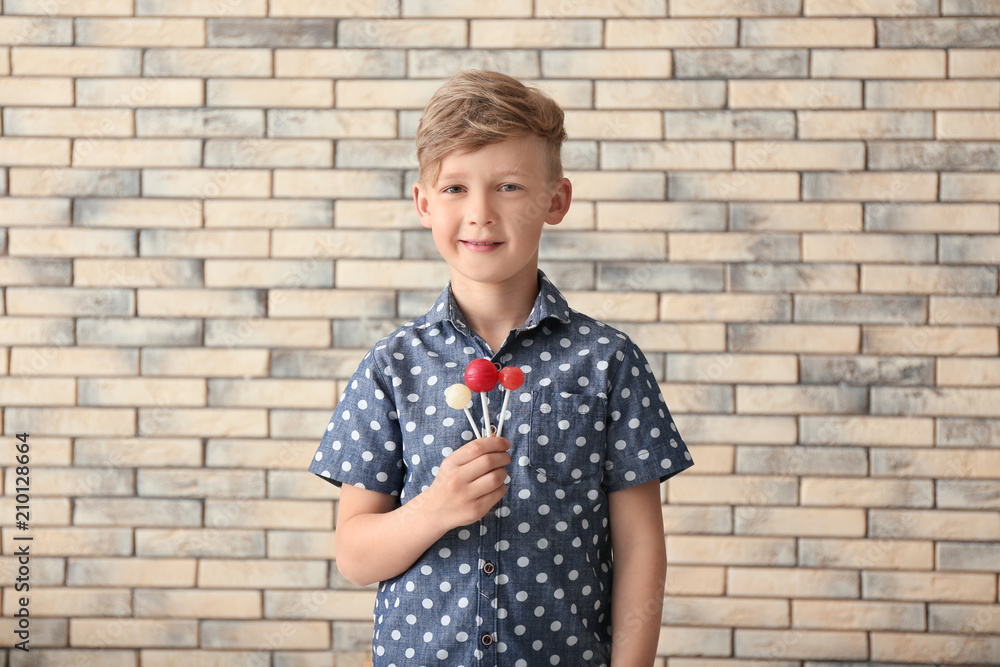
476 108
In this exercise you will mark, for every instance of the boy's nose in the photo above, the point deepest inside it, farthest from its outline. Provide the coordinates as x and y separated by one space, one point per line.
481 211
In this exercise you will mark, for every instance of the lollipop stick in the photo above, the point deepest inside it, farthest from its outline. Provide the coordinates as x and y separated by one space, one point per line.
472 422
486 413
503 411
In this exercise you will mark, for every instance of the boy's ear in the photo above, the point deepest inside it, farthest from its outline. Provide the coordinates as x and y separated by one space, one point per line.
422 203
562 195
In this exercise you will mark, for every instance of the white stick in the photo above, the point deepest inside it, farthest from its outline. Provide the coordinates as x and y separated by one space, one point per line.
486 413
503 411
472 422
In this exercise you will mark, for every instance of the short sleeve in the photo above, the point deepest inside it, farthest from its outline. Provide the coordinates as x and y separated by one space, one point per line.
643 443
362 444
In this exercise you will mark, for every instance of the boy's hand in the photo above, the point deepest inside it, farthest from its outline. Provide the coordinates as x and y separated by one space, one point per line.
469 482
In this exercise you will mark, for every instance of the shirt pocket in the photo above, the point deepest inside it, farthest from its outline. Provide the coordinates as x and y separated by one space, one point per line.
566 443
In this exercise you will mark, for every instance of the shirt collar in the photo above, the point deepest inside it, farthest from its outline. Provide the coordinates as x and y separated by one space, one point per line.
550 303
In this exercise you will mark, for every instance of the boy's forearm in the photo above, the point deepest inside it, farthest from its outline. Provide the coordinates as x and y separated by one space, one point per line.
374 547
637 607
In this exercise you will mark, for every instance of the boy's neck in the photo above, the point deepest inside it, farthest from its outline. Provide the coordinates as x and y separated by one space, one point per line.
493 309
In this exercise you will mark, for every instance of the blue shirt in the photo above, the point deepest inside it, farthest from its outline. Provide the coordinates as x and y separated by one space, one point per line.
529 583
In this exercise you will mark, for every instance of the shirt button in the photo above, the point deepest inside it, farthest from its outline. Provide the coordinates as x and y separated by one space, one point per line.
488 568
487 640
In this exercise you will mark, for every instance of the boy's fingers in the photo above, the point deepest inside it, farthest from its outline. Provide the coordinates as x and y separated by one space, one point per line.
476 448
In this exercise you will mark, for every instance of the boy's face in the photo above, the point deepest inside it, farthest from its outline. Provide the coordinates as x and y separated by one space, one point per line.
487 210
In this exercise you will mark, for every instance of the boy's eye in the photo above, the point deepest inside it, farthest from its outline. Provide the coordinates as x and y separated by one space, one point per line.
510 187
453 189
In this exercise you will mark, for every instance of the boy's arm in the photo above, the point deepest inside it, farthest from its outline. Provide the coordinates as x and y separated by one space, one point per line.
376 542
640 566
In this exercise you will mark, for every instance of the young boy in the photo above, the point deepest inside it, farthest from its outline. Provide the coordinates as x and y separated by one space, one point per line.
498 550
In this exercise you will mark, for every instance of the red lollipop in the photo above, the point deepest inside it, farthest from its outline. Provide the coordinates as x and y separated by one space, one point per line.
511 378
481 376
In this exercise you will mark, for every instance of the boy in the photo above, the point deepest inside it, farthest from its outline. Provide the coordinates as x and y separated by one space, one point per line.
497 551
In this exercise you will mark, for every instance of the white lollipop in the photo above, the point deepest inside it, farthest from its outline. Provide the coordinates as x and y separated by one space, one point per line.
458 396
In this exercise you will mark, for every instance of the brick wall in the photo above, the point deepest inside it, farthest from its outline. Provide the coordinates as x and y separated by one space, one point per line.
792 205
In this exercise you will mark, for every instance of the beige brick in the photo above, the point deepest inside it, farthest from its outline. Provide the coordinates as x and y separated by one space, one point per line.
197 542
28 271
969 249
870 8
952 556
271 454
964 341
43 511
37 391
338 605
265 634
662 155
335 183
684 640
214 658
882 186
723 8
268 153
199 8
762 399
135 273
44 571
935 525
867 492
659 95
858 615
206 183
324 302
172 483
197 603
726 490
5 61
68 361
133 633
633 307
929 586
32 212
137 213
29 182
968 372
800 522
111 153
865 125
208 62
76 482
741 63
203 243
964 432
265 273
732 247
37 331
141 391
330 123
791 94
268 214
973 63
883 63
36 30
693 580
136 452
797 217
807 644
34 152
785 461
134 512
226 573
70 421
300 484
967 310
948 648
204 362
607 64
864 370
140 92
808 33
965 619
617 126
535 33
74 602
866 554
271 32
869 247
942 32
678 520
602 8
928 279
792 583
868 431
33 91
270 93
340 63
151 572
308 544
293 333
596 186
657 337
660 216
139 32
465 9
720 428
784 338
409 33
411 274
73 8
722 550
75 541
726 307
729 124
205 422
733 186
966 187
726 612
334 8
54 242
297 423
732 368
780 277
271 513
800 155
74 61
672 33
44 633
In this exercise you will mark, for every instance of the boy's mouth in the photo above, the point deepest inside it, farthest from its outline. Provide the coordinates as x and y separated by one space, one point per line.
482 244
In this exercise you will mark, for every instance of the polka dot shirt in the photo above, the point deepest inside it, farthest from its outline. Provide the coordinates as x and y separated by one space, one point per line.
530 583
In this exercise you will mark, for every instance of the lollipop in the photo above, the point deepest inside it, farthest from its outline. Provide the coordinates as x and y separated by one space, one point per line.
481 376
458 397
511 378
